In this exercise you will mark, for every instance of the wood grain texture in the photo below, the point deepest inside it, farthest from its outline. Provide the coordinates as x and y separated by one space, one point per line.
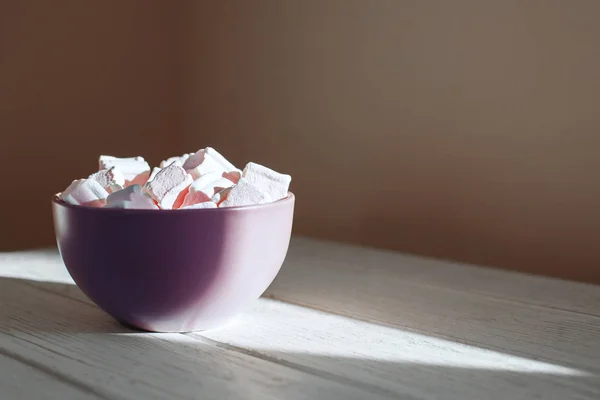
448 275
385 295
397 361
82 344
21 379
365 324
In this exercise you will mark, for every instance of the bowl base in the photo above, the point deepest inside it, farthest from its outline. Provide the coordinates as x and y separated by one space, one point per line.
198 327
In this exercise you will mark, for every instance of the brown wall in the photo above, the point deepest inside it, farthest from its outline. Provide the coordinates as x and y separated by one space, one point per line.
80 78
467 129
461 129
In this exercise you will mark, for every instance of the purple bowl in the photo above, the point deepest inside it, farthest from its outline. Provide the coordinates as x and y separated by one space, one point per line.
174 270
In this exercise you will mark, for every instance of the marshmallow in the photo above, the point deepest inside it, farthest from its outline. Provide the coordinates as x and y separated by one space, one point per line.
206 204
205 187
135 169
154 172
110 179
205 180
85 192
219 197
180 159
233 176
195 198
267 180
169 187
244 194
205 161
219 185
132 197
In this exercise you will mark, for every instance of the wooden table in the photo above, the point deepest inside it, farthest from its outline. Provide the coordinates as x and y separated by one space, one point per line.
339 322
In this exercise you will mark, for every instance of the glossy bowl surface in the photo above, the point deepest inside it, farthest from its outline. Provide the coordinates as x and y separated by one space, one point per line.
174 270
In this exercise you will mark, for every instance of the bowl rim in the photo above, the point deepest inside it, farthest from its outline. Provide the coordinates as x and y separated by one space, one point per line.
289 199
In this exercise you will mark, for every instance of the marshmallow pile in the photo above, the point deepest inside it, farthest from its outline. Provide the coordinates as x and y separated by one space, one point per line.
204 179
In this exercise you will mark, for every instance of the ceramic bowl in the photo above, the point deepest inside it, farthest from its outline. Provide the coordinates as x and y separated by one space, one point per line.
174 270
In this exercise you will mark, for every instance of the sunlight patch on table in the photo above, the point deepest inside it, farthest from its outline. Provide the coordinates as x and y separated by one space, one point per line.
37 265
273 327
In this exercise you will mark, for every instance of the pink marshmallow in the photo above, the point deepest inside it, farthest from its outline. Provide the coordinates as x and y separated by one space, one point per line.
169 187
233 176
193 198
139 179
135 169
132 197
267 180
110 179
244 194
205 161
85 192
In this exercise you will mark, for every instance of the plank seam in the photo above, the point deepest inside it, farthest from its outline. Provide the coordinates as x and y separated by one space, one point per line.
304 369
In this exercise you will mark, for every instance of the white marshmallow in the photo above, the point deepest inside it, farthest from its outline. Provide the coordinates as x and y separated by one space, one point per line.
210 184
85 192
169 187
181 159
154 172
244 194
219 185
135 169
205 161
204 181
267 180
132 197
206 204
110 179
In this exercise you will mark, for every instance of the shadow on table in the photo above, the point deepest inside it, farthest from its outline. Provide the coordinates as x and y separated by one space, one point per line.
53 324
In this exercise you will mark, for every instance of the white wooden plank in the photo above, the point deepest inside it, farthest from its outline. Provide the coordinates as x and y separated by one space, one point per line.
79 341
38 385
398 361
447 275
383 296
